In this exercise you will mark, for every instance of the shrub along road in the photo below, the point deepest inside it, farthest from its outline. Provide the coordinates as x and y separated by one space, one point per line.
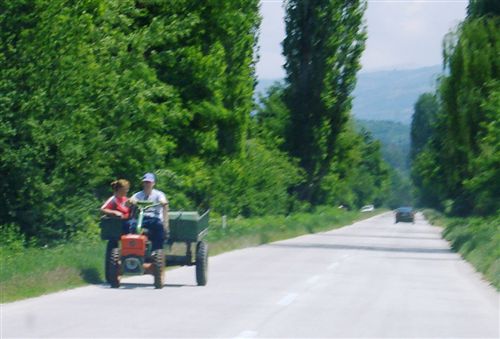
372 279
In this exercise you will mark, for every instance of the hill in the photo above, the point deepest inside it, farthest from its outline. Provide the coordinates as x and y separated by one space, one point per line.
385 95
395 140
390 95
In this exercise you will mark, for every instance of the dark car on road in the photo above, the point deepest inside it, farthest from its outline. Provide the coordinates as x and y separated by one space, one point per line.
406 214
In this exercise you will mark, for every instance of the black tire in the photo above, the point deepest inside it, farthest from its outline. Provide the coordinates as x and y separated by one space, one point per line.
109 246
114 267
201 263
158 268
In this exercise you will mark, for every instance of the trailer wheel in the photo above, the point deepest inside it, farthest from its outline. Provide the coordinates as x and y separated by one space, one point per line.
201 263
158 268
114 267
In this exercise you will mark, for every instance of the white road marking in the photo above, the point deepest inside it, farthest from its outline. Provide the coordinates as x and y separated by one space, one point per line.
314 279
345 256
247 334
288 299
333 265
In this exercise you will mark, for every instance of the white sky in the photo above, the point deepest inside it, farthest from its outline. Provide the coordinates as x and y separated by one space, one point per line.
401 34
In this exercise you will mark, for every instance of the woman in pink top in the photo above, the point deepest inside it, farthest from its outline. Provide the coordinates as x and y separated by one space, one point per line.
117 205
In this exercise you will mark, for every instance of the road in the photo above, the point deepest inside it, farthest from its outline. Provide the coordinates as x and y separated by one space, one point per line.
371 279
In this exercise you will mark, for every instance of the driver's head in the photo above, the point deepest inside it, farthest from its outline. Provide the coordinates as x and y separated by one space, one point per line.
148 181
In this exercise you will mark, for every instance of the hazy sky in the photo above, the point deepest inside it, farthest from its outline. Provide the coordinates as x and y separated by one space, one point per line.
401 34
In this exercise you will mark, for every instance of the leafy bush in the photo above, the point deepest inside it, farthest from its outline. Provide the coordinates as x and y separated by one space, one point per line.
476 238
12 240
254 185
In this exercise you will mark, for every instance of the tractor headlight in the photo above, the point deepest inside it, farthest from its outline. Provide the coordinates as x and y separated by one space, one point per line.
132 264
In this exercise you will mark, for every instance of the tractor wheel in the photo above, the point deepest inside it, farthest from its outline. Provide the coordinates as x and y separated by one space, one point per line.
201 263
114 267
158 268
109 246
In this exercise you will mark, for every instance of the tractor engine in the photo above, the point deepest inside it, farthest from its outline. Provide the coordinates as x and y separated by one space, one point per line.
133 252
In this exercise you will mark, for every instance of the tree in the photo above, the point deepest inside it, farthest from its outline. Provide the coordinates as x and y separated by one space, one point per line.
478 8
272 118
205 51
322 47
424 116
457 167
472 59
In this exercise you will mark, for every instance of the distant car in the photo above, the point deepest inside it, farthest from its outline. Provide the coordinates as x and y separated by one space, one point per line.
367 208
406 214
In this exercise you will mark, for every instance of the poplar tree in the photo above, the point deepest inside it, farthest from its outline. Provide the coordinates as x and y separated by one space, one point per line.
323 45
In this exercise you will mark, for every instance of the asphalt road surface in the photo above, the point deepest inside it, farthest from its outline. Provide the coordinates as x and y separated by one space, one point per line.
372 279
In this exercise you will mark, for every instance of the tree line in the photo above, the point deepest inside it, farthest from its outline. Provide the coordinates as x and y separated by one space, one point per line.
95 90
455 132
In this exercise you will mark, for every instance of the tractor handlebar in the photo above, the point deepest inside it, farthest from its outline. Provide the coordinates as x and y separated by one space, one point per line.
144 205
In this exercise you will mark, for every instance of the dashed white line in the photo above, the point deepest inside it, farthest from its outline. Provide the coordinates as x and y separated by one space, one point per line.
288 299
247 334
314 279
333 265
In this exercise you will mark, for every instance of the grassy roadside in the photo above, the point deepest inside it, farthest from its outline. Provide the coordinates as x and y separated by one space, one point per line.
477 239
30 272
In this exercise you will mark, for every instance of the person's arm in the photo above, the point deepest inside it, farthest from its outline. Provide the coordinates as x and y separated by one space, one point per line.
164 202
132 200
108 210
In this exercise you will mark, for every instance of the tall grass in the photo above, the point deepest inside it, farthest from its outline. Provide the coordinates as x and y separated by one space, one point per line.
28 271
477 239
35 271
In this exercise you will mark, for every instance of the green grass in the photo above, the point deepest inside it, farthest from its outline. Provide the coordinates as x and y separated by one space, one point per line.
36 271
30 272
477 239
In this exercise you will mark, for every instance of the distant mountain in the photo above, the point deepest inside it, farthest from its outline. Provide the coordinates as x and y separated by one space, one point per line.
385 95
383 104
390 95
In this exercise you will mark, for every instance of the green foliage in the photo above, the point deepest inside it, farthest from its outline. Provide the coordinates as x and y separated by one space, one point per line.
457 168
49 269
100 89
484 186
477 239
478 8
12 241
424 116
257 184
401 190
395 141
205 50
97 90
358 175
272 118
322 47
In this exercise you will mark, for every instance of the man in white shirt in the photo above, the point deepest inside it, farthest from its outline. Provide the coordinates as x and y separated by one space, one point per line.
155 218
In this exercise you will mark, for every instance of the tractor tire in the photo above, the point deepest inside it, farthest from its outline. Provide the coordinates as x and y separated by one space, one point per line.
158 268
201 263
114 267
107 257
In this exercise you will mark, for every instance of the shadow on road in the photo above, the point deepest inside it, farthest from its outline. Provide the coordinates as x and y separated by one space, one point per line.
91 276
131 286
420 258
361 248
375 236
